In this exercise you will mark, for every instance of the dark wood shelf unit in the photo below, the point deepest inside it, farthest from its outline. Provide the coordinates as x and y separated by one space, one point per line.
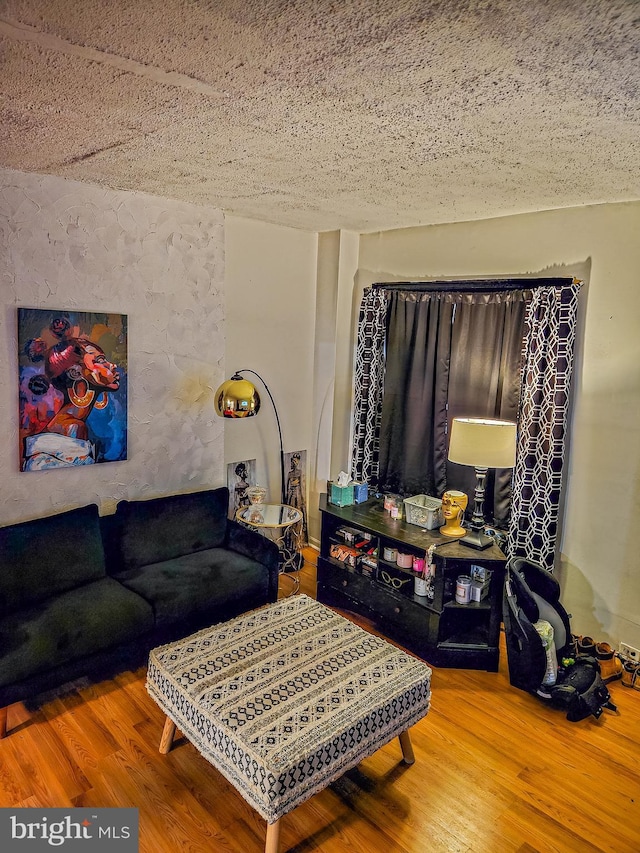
438 629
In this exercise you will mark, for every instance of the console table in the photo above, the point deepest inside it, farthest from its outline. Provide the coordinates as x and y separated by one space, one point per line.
437 629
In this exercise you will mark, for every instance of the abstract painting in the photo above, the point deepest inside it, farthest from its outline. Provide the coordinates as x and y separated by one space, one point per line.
73 388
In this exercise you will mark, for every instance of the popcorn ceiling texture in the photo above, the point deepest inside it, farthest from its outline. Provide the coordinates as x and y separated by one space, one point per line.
161 262
364 115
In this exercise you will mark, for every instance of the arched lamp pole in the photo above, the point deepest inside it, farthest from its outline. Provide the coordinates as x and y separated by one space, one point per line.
239 398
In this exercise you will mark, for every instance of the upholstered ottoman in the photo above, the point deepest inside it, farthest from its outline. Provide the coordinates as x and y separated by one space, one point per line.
285 699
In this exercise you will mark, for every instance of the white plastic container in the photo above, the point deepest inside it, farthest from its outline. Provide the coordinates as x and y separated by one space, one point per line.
424 511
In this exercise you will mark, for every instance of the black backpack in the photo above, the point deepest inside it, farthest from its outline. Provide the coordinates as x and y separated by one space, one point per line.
531 593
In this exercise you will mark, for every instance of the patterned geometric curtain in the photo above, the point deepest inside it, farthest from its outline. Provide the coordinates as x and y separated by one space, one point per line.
548 350
369 382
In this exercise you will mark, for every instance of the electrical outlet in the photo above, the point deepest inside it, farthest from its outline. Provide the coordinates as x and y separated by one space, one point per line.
629 653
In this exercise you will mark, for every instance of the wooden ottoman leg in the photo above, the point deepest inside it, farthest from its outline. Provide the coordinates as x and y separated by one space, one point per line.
273 837
407 748
3 721
167 736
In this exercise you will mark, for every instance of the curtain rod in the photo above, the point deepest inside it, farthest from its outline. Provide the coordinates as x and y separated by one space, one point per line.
490 284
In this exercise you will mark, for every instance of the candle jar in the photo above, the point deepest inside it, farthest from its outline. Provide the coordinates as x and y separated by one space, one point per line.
420 585
397 506
463 589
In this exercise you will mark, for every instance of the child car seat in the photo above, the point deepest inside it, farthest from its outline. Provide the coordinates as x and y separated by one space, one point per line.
532 597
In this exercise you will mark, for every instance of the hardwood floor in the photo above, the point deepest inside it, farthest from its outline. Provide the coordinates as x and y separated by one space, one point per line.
496 772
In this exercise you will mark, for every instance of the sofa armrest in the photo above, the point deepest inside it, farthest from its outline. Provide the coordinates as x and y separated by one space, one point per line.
252 544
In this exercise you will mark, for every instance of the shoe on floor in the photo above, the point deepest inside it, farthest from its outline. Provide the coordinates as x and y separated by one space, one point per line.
610 663
586 646
629 674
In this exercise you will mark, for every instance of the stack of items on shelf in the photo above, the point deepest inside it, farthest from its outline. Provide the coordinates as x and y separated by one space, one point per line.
359 551
346 555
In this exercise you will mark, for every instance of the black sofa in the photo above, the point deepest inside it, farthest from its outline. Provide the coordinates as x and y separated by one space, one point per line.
83 595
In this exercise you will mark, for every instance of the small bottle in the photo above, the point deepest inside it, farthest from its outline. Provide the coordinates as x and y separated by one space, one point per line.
396 508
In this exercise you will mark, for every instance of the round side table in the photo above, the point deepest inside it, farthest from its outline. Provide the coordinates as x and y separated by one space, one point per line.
275 521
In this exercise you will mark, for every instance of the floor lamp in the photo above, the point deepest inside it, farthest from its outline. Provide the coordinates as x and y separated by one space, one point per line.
482 443
239 398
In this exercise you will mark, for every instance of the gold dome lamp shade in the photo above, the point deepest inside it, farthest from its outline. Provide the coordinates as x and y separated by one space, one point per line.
239 398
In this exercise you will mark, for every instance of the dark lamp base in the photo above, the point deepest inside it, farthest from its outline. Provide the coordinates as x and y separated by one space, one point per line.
476 539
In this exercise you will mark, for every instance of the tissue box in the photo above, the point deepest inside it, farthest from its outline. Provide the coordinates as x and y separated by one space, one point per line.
341 495
360 492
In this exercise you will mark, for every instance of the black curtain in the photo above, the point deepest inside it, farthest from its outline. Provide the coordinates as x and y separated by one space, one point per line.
449 354
484 382
415 393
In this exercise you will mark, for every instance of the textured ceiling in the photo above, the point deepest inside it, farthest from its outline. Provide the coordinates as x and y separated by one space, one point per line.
324 114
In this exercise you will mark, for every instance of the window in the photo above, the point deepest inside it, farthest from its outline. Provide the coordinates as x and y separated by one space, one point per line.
391 327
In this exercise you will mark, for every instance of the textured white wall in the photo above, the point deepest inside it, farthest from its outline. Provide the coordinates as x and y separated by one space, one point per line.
68 245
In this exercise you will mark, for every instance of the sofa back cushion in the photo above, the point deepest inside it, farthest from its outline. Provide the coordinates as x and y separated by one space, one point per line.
164 528
49 555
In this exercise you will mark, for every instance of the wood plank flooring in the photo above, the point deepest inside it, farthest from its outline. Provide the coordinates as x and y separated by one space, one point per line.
496 772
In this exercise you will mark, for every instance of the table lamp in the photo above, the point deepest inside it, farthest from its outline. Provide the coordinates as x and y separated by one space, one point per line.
483 443
239 398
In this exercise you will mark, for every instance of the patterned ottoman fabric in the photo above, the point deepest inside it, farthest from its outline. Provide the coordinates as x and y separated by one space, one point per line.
285 699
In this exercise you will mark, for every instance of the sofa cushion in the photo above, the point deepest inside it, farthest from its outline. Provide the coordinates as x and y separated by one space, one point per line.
212 582
49 555
88 619
164 528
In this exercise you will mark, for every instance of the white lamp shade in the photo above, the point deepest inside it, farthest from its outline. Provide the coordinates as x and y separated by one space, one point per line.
483 443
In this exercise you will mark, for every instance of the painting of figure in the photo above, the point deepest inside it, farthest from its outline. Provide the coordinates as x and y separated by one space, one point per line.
295 465
240 475
73 388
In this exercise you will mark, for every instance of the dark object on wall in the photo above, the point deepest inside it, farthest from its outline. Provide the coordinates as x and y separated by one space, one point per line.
532 594
83 595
